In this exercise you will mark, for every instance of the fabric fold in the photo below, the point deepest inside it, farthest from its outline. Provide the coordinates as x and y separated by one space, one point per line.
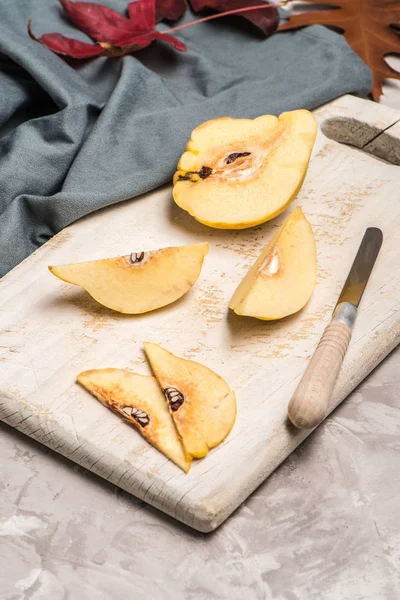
76 140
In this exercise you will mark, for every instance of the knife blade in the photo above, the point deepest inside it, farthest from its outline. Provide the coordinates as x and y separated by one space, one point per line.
309 404
362 266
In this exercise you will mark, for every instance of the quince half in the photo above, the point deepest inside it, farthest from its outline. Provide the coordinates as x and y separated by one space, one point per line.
140 402
282 279
201 403
138 282
237 173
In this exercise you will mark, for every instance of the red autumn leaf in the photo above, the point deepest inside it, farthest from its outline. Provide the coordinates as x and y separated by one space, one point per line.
99 22
170 9
142 16
67 46
117 35
266 20
103 23
140 42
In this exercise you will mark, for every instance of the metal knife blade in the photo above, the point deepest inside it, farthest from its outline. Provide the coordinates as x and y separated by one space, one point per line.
362 266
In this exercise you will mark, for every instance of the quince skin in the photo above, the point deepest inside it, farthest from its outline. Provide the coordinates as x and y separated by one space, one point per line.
282 279
237 173
139 282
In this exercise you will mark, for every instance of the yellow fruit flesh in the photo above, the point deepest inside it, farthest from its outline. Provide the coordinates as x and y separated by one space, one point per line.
205 410
251 189
139 282
121 391
283 278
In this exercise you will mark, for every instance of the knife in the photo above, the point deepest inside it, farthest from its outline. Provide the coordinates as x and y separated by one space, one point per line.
309 404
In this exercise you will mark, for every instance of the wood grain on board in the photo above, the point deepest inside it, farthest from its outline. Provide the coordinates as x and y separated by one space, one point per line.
50 331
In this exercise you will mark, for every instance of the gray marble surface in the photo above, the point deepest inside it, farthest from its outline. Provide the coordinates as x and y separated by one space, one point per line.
324 526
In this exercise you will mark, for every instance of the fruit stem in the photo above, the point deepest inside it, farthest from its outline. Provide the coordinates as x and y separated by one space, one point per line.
227 13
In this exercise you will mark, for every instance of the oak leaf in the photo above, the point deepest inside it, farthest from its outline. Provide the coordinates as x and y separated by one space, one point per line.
369 27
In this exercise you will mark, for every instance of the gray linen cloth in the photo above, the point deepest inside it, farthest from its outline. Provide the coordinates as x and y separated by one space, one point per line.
75 140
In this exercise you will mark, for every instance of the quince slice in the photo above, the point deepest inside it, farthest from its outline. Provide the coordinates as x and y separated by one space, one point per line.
139 282
201 403
237 173
283 277
140 402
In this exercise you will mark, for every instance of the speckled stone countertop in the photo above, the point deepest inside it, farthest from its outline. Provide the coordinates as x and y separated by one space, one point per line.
324 526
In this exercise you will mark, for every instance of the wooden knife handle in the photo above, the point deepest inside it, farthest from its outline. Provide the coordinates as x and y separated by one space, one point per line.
309 404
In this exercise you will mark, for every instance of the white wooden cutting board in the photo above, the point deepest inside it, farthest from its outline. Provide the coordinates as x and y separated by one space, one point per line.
50 331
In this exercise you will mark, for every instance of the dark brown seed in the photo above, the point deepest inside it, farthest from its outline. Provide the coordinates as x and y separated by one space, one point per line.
140 416
136 257
187 176
175 397
235 155
203 174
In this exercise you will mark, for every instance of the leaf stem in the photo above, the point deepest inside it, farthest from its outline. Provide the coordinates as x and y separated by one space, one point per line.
227 13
